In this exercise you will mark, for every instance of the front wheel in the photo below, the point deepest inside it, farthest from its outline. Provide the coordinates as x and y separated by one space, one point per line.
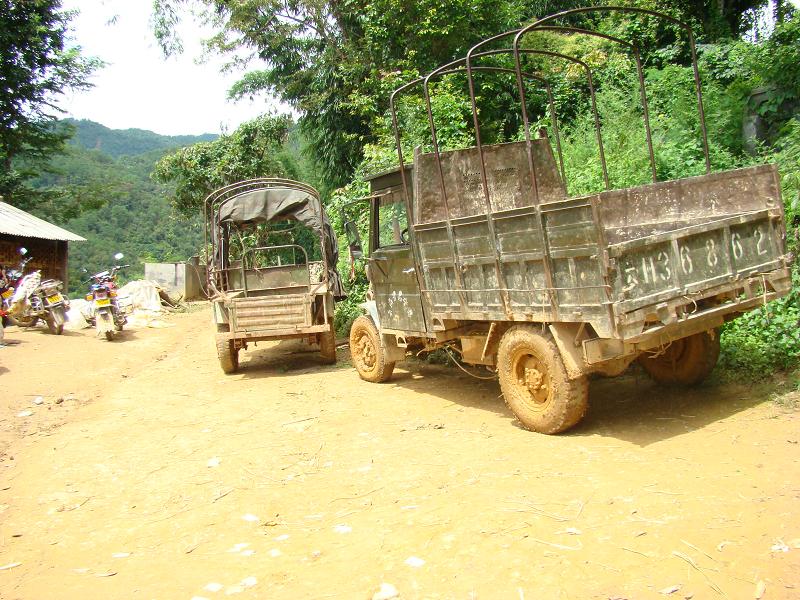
535 383
109 335
685 362
367 352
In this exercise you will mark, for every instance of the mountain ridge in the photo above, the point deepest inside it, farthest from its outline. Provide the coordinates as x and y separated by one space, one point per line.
91 135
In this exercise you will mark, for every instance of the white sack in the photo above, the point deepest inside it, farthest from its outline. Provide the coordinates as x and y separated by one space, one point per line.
143 295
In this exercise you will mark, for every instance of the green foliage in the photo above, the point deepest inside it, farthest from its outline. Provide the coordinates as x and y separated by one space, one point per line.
130 142
255 149
337 63
136 220
36 67
765 339
348 310
787 157
123 210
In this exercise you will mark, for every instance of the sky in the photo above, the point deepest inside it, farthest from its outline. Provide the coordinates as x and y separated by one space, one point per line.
139 88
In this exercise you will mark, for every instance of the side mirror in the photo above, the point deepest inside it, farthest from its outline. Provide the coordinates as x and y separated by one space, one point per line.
119 256
353 240
23 251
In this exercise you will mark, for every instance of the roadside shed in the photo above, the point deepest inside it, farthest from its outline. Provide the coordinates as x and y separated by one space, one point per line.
47 244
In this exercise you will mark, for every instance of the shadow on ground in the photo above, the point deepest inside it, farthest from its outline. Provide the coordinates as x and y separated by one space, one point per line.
630 407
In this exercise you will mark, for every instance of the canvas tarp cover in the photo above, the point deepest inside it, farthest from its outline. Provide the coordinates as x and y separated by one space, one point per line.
262 206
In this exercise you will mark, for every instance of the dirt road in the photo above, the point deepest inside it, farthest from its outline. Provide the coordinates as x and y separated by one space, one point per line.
147 473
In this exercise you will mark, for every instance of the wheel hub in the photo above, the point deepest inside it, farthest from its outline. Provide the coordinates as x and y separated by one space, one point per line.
533 379
366 352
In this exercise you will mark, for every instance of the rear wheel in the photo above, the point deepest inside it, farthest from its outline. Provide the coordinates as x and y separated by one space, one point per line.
685 362
535 383
327 346
228 356
367 352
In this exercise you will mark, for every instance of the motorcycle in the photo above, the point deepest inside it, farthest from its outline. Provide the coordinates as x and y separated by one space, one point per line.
9 280
108 314
35 299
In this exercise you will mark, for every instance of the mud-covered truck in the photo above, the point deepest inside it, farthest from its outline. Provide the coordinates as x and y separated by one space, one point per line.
481 251
265 283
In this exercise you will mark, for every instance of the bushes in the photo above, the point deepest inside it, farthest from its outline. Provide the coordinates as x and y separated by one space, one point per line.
766 339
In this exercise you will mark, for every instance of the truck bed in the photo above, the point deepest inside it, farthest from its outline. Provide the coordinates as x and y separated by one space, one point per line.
611 259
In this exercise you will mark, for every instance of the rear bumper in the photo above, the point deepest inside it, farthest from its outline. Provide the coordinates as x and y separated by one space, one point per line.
658 324
273 334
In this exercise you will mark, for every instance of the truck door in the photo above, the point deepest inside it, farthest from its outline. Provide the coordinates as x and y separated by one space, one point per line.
391 267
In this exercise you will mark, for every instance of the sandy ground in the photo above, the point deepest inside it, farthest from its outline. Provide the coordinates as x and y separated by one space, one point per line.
147 473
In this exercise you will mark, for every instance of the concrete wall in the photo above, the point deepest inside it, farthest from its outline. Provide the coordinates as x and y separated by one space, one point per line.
186 280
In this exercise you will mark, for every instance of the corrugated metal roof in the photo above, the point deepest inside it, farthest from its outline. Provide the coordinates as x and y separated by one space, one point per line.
14 221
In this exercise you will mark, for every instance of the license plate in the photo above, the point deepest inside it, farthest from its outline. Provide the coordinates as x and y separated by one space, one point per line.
8 293
102 302
55 299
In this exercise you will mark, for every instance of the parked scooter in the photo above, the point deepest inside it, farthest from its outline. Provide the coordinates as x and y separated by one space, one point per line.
9 279
108 317
34 299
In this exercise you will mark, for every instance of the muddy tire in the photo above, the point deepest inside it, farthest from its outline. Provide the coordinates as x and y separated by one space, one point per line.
685 362
228 356
367 352
109 336
327 346
535 384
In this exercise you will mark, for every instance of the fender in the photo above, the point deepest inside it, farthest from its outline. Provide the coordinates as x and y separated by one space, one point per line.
393 351
372 310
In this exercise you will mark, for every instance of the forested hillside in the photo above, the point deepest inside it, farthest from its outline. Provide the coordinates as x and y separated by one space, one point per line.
127 142
127 211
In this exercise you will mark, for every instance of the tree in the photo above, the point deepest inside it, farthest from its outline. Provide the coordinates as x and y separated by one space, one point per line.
36 67
336 63
255 149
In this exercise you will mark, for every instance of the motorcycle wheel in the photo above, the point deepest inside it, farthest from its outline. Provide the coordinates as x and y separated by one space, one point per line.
109 335
55 329
24 321
118 326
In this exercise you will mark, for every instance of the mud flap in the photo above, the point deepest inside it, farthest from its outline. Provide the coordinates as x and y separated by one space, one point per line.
104 322
565 335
